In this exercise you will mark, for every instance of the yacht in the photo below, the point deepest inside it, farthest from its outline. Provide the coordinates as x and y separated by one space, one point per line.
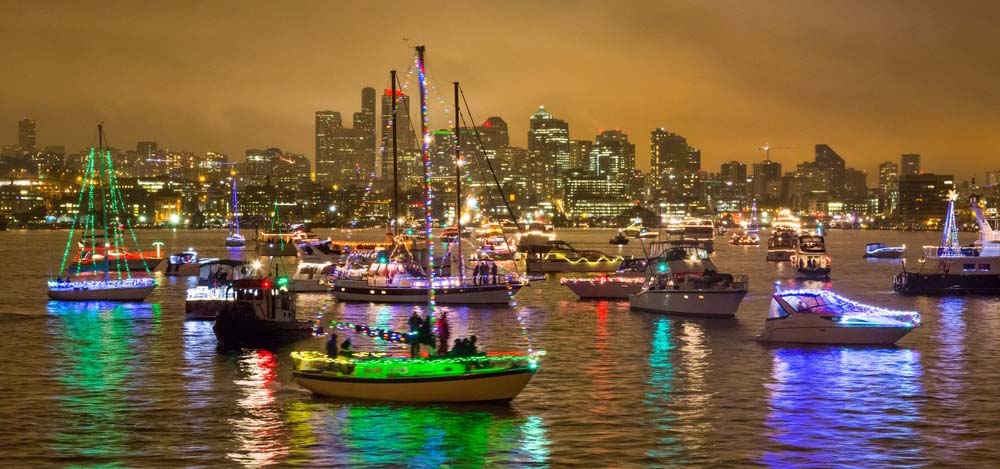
881 251
637 230
684 281
185 263
626 281
405 282
206 299
953 269
536 233
748 235
560 256
810 258
259 312
235 240
824 317
781 245
282 244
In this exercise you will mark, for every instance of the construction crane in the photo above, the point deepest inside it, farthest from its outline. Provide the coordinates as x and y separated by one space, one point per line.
767 150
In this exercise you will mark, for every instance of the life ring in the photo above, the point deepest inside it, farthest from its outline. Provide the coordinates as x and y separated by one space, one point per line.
944 267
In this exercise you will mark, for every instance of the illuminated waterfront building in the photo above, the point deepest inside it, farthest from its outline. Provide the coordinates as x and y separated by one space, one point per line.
548 143
888 187
406 137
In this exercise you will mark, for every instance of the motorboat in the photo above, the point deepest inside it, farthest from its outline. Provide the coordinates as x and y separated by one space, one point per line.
560 256
619 239
810 258
626 281
402 282
953 269
283 244
781 245
684 281
313 277
638 230
207 298
536 233
102 271
824 317
259 312
490 377
185 263
881 251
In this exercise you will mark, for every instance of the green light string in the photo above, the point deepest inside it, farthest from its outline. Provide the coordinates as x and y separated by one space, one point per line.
128 226
119 199
89 229
104 216
111 243
72 229
118 205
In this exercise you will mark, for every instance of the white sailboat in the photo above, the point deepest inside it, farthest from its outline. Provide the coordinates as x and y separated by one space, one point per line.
235 240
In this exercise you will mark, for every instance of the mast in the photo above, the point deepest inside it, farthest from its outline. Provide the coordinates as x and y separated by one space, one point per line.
429 197
104 202
458 185
236 212
395 162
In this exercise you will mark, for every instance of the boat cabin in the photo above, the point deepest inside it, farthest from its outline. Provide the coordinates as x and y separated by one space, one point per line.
268 298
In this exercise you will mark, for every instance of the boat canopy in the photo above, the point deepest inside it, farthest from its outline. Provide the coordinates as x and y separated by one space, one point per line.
828 303
812 243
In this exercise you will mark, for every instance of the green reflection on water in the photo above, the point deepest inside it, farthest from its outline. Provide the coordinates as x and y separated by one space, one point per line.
661 387
94 342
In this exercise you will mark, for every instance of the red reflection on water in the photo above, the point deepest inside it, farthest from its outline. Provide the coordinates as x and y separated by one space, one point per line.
260 432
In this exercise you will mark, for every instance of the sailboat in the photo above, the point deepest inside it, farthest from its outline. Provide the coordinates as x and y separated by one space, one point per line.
104 274
471 377
751 235
235 239
400 279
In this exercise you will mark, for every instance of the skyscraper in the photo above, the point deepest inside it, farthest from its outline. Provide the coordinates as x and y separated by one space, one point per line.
734 172
909 164
327 123
612 155
26 134
579 154
888 186
923 198
548 140
830 162
494 133
365 121
765 174
405 135
674 165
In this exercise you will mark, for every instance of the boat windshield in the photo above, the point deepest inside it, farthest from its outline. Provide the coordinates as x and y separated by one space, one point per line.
827 303
812 244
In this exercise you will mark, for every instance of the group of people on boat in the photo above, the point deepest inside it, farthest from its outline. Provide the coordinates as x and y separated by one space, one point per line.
485 273
345 349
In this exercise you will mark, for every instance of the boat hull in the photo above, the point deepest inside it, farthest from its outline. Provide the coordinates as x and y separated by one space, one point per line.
556 266
780 256
104 294
501 386
810 331
203 310
309 286
182 270
276 250
701 303
235 328
884 255
610 289
360 291
915 283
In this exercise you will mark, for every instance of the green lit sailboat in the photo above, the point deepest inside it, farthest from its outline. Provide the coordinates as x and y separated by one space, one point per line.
103 271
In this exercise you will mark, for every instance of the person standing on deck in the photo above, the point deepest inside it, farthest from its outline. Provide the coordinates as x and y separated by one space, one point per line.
414 337
443 333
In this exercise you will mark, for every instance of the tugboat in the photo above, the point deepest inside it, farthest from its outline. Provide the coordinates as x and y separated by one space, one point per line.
824 317
617 286
260 312
881 251
684 281
810 258
951 269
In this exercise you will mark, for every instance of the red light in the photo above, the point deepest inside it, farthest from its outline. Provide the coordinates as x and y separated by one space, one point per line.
487 124
266 285
399 94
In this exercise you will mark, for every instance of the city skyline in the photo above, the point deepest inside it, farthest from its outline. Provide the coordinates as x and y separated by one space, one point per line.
793 80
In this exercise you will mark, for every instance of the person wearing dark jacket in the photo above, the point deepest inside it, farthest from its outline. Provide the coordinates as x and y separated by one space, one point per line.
331 346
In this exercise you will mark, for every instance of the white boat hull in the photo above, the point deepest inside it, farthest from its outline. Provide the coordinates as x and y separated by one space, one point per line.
546 266
309 286
702 303
502 386
102 294
804 329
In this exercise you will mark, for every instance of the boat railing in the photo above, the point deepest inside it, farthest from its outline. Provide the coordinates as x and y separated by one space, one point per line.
741 282
941 251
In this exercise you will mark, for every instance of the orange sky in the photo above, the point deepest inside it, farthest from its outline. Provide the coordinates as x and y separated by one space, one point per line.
871 79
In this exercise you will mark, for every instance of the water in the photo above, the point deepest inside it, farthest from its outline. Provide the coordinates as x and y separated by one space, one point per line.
136 385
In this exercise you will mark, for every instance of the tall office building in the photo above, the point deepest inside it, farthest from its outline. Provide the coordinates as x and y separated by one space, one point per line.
734 172
766 175
674 166
923 198
579 154
909 164
548 140
406 136
327 123
612 155
888 187
829 161
364 121
259 166
494 133
26 134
